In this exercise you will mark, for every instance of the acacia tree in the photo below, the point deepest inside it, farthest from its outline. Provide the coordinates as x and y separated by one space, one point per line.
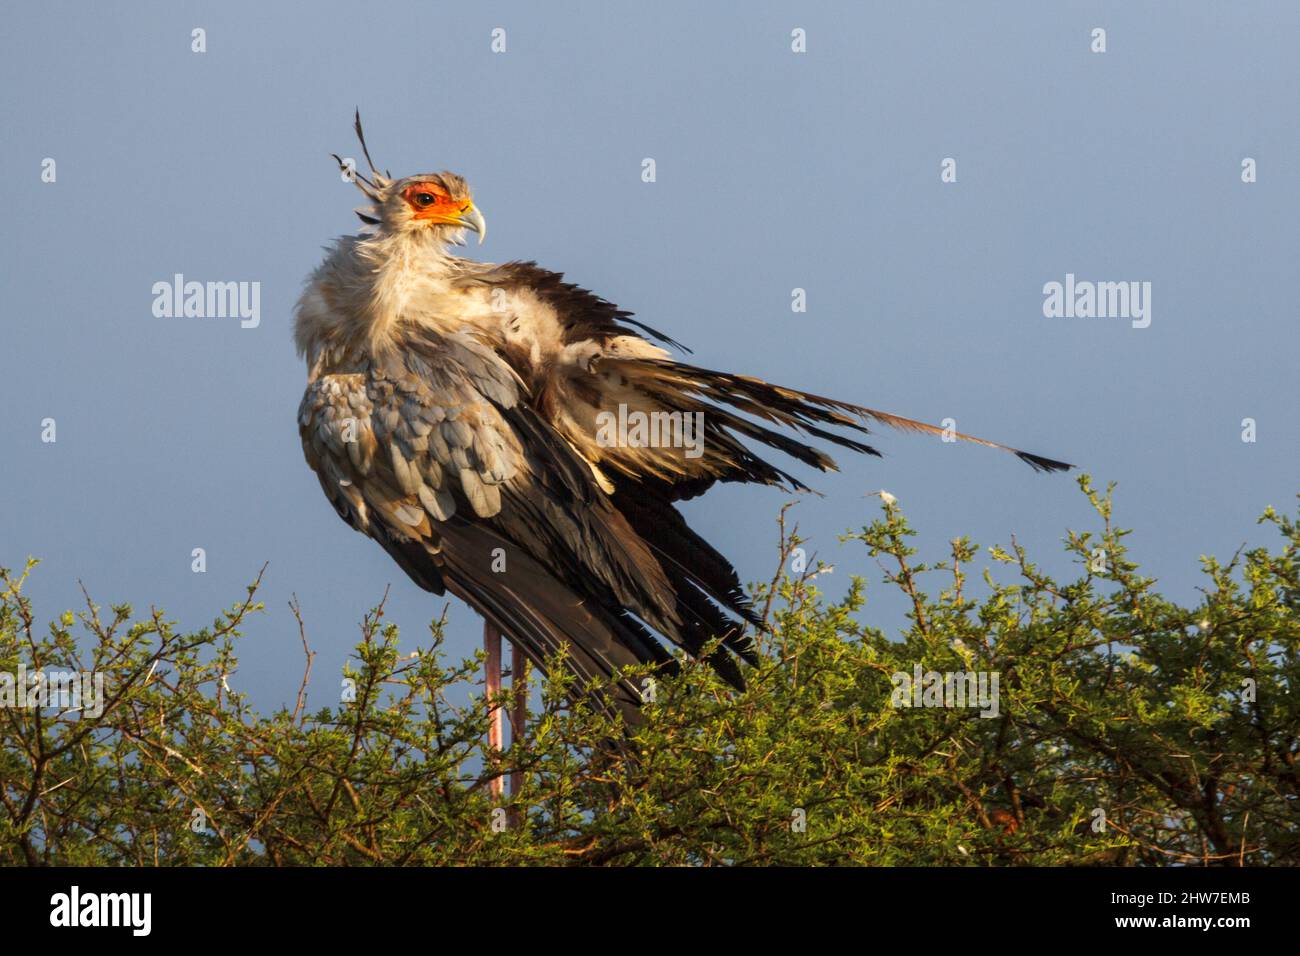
1127 729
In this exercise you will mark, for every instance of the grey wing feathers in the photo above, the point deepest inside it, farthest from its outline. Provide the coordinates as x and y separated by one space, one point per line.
436 457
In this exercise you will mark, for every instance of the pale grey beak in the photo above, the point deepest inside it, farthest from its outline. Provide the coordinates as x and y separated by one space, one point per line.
474 220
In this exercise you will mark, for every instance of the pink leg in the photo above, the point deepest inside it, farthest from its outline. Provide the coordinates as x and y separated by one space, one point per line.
492 681
519 684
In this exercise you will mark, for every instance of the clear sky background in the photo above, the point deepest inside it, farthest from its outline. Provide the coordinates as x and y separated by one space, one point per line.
775 170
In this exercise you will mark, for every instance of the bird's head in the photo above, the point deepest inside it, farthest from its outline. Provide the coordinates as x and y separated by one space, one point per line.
433 205
437 202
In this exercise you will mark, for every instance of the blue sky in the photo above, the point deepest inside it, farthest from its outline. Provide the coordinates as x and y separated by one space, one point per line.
775 170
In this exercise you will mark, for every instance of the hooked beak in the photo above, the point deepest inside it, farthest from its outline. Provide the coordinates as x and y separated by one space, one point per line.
471 218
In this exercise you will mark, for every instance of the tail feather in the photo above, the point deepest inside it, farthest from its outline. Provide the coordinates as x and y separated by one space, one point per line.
544 617
682 550
700 575
804 410
1037 462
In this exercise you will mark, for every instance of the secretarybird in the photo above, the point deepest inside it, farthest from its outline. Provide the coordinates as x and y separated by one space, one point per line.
473 418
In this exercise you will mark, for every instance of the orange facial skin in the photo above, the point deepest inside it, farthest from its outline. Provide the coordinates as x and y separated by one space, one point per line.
432 204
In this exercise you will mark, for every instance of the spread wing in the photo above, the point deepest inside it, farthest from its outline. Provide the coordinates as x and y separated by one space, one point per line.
585 360
606 365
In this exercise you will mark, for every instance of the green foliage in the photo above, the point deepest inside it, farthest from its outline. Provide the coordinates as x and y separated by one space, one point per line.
1174 726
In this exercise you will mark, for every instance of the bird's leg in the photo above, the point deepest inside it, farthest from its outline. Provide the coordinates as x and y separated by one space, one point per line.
519 715
492 681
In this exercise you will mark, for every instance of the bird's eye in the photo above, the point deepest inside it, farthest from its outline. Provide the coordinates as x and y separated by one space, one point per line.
425 199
